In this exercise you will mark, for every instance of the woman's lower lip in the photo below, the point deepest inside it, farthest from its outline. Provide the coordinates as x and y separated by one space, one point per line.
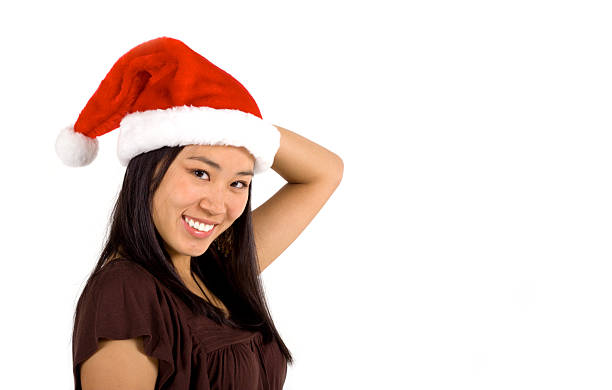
195 232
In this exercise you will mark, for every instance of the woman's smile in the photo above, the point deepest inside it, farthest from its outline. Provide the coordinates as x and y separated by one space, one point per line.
197 229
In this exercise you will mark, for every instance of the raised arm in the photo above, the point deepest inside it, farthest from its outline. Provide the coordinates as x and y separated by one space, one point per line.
313 173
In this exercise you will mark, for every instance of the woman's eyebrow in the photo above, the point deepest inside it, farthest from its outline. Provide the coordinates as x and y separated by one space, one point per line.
217 166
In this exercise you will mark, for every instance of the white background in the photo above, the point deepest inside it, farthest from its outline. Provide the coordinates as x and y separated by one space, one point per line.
468 245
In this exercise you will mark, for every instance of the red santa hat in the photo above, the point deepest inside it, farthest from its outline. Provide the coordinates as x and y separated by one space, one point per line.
162 93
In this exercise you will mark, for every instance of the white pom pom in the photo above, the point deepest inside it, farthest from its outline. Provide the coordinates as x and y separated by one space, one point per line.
75 149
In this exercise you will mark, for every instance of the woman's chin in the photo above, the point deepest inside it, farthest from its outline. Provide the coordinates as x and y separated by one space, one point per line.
197 251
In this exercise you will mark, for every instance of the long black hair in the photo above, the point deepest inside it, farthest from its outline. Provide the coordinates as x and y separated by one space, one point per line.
233 278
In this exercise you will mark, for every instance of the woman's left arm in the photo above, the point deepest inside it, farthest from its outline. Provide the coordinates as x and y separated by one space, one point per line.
313 173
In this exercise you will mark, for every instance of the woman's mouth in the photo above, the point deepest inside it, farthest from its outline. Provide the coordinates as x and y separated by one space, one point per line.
197 229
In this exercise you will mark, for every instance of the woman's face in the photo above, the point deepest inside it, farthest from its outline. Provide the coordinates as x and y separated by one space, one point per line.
201 191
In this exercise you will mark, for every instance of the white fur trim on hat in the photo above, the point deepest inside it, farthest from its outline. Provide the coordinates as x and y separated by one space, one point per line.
143 131
75 149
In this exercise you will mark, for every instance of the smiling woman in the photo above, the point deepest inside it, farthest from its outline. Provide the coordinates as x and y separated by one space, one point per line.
187 190
176 295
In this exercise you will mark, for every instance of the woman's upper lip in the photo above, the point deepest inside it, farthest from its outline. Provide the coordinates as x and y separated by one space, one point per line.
201 220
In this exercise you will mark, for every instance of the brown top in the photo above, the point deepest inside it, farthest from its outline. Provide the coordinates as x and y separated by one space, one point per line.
126 301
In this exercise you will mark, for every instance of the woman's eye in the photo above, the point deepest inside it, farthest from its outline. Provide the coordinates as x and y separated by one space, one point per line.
199 170
244 184
196 171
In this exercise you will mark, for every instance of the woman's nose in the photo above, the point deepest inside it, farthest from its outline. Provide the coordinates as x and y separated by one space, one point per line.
213 202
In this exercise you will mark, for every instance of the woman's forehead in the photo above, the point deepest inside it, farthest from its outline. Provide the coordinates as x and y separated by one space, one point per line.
214 148
219 152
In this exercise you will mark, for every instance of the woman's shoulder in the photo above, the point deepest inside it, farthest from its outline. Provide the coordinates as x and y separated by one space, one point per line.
124 286
123 262
121 272
120 262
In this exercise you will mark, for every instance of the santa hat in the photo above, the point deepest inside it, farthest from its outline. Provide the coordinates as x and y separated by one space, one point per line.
162 93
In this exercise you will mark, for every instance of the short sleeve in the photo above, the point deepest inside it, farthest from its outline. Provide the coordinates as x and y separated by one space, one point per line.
123 301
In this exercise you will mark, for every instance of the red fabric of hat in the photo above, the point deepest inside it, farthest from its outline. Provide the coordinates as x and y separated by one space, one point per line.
162 93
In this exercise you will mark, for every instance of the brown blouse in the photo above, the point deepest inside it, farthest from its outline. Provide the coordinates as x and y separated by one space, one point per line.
126 301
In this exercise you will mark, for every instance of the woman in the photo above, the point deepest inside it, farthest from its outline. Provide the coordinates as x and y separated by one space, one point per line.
175 300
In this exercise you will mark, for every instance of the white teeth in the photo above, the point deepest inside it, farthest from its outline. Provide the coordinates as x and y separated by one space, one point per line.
203 227
200 226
